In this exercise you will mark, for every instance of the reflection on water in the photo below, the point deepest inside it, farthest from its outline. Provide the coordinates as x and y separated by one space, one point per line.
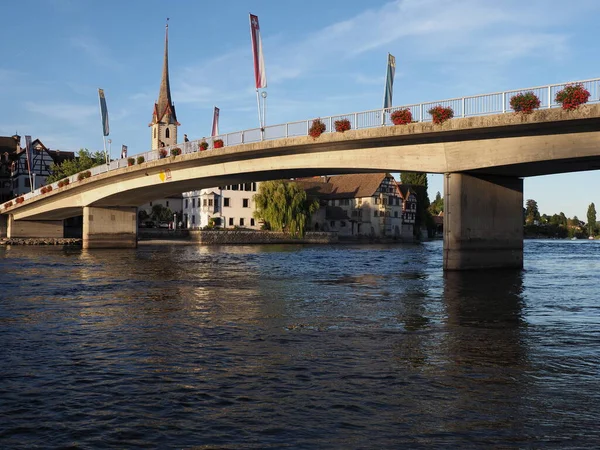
303 346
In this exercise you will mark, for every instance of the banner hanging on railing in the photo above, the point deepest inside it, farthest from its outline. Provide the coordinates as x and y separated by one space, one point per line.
215 126
389 82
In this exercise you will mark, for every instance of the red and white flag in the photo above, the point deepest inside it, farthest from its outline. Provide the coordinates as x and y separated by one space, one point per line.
260 75
215 128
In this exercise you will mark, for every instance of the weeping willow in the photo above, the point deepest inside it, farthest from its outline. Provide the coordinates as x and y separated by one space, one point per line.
284 206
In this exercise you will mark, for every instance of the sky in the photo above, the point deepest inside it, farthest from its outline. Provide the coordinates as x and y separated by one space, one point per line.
321 58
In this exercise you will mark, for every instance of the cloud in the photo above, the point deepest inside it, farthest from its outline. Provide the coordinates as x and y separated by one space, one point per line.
96 52
69 113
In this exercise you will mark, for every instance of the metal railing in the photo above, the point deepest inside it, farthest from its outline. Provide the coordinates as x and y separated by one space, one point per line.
474 105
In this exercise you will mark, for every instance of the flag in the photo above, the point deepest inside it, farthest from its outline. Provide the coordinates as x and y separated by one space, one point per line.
215 128
389 82
28 153
123 151
260 75
103 111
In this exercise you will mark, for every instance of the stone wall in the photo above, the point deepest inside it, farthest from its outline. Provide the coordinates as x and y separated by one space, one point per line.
259 237
162 233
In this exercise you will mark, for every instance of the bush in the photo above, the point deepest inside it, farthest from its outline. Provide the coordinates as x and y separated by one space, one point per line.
203 145
342 125
218 143
88 174
525 102
140 159
317 128
130 161
572 96
175 151
401 116
80 176
66 182
440 114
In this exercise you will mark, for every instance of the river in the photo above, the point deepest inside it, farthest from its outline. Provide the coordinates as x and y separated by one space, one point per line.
341 347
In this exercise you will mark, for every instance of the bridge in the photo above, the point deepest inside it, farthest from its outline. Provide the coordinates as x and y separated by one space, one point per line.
484 153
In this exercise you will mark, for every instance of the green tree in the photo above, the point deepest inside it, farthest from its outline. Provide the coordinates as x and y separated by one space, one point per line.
437 206
418 181
532 213
284 206
161 213
83 161
591 219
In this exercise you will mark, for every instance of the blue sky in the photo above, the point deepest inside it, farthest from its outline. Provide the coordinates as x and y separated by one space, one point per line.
322 58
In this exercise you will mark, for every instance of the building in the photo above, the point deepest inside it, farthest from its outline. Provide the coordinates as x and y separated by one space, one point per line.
15 176
371 204
228 206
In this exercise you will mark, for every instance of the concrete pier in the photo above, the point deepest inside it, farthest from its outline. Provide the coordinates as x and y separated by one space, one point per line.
109 227
483 222
34 228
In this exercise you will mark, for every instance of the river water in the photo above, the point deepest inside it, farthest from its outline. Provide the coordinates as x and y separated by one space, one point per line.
180 346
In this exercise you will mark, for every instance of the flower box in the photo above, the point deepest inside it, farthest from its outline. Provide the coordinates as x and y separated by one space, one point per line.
203 145
317 128
401 116
175 151
572 96
140 159
130 161
439 114
342 125
218 143
524 102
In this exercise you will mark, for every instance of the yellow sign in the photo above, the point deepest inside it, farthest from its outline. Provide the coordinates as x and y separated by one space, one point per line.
165 175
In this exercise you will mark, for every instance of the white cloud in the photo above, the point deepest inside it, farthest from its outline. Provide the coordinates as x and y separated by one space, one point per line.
69 113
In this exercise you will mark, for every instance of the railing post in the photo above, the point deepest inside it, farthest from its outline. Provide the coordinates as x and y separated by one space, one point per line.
307 127
287 126
330 123
503 102
242 137
421 112
549 94
356 121
463 107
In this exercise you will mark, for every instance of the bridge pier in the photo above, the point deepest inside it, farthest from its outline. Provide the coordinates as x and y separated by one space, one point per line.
483 222
109 227
29 229
3 225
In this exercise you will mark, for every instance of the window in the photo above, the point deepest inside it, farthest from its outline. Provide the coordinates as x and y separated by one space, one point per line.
193 203
167 133
254 187
252 222
186 203
235 187
167 203
210 202
395 213
231 221
377 200
193 219
204 202
226 201
154 132
245 203
241 221
247 186
342 224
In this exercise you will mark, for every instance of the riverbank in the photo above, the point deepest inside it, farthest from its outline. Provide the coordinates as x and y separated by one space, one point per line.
75 242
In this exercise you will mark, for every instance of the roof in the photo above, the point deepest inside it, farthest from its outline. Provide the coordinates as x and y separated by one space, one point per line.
8 144
406 190
164 106
356 185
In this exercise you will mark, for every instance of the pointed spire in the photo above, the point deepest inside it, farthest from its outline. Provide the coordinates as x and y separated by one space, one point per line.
165 106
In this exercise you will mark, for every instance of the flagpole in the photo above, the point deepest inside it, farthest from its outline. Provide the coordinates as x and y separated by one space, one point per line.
258 106
103 129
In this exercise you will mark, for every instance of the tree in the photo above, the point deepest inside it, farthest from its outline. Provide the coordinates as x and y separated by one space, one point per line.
284 206
437 206
418 181
83 161
532 213
161 213
591 219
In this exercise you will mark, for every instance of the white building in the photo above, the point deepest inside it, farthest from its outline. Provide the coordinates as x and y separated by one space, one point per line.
228 206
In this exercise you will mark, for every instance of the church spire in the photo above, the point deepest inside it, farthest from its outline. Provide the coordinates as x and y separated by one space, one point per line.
164 108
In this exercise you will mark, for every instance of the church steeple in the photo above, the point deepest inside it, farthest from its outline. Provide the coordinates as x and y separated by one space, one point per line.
164 120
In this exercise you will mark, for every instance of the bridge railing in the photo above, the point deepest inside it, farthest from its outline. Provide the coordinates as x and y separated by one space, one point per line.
474 105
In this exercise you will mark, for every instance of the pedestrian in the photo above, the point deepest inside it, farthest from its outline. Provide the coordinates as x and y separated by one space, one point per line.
185 138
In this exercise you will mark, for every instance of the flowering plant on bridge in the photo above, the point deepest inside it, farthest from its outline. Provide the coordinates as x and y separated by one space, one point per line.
401 116
63 183
203 145
572 96
218 143
439 113
162 153
140 159
130 161
176 151
317 128
8 204
19 200
342 125
46 189
525 102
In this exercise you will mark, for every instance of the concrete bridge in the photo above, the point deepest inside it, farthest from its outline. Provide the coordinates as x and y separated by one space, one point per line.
484 159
